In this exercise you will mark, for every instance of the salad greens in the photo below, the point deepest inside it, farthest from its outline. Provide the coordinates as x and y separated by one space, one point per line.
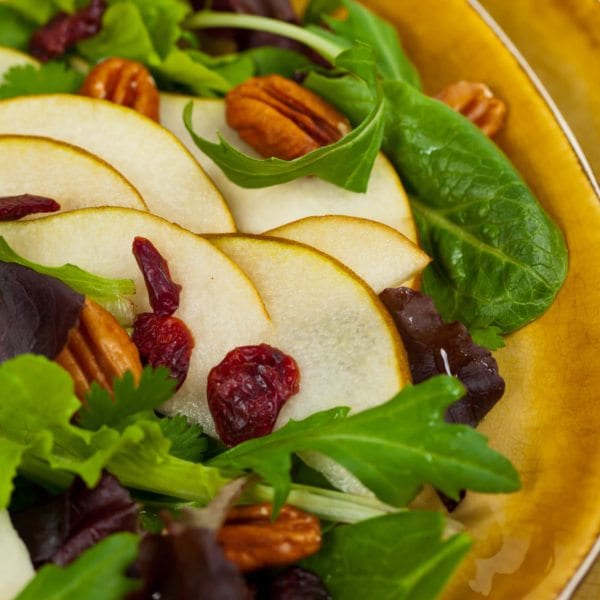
347 163
409 558
51 78
391 448
98 574
94 286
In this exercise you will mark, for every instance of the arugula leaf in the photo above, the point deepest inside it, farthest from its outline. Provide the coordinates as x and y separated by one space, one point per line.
15 29
408 559
98 574
128 400
50 78
499 260
346 163
81 281
187 439
392 449
362 25
313 15
38 438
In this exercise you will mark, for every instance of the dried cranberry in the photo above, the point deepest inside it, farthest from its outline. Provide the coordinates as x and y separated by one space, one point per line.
65 30
298 584
17 207
247 390
164 342
163 292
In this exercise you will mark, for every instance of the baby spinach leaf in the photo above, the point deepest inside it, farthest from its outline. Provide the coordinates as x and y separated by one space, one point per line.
346 163
499 260
99 288
392 449
98 574
408 558
268 60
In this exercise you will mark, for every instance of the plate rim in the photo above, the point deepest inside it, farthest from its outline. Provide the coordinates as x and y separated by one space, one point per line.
594 552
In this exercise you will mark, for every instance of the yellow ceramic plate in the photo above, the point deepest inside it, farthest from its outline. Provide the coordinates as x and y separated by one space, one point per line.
529 544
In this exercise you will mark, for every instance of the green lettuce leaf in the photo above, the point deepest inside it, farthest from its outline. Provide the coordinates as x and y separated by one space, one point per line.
50 78
15 29
40 12
346 163
37 404
123 34
408 558
98 574
94 286
392 449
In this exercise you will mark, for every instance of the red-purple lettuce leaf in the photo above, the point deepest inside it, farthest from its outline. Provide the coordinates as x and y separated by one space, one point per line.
435 347
186 564
70 523
36 312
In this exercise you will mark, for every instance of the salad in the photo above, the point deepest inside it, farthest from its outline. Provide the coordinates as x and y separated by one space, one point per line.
228 414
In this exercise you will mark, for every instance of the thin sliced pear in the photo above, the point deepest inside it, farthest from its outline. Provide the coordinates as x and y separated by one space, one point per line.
13 58
380 255
218 302
71 176
256 210
343 339
172 183
16 569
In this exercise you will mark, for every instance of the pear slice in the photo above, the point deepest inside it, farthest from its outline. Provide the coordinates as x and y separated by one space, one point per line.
380 255
171 182
256 210
334 326
219 304
16 569
13 58
71 176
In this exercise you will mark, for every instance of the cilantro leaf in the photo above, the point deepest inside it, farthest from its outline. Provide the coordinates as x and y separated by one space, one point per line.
128 400
187 439
408 557
94 286
346 163
393 449
98 574
50 78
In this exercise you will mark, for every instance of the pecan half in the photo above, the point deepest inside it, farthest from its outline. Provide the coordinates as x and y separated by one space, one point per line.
123 82
98 349
280 118
476 102
252 541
